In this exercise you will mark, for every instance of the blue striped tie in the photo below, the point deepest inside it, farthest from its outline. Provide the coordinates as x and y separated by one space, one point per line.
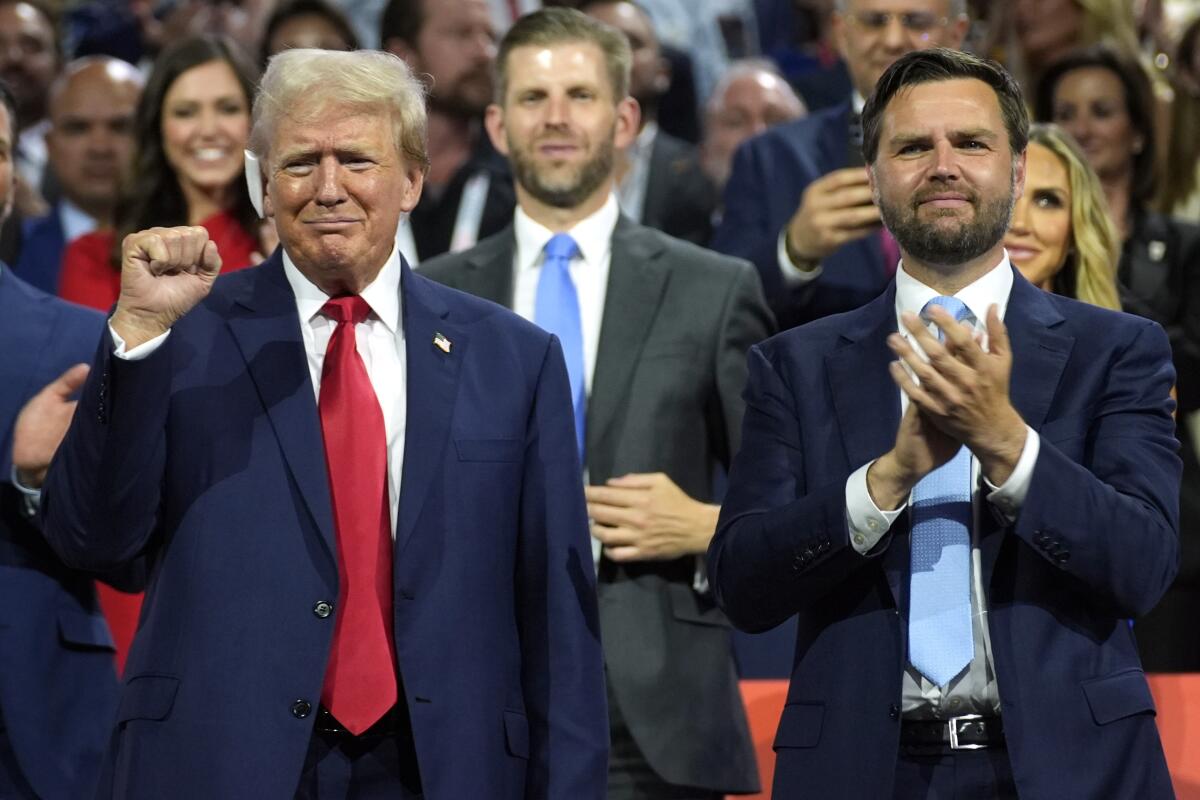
557 311
940 643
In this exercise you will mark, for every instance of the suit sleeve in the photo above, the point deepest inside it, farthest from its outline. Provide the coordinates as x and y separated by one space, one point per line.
562 664
780 545
101 497
745 321
1113 522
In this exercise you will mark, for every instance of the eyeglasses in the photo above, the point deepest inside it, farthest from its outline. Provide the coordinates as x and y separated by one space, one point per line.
922 22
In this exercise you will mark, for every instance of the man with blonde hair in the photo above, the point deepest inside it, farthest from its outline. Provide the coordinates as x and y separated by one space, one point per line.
357 489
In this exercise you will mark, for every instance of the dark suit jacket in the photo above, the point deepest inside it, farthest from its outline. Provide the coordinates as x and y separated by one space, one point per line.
42 248
208 457
680 199
770 173
1159 278
665 397
1096 543
58 688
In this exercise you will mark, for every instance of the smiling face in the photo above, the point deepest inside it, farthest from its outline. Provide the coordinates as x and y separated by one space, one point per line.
944 176
337 187
1039 236
872 34
560 125
205 125
1090 103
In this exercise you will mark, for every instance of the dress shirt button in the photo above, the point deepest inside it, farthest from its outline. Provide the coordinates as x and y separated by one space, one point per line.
873 524
322 609
955 702
301 709
859 539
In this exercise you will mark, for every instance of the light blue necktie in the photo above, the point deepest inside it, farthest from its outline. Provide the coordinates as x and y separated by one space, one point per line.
940 643
557 311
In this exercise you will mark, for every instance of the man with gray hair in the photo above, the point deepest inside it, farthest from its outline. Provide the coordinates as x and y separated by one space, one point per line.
358 491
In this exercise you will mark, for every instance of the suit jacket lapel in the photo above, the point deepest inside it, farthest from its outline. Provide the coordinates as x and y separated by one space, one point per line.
866 402
432 383
265 325
489 272
637 278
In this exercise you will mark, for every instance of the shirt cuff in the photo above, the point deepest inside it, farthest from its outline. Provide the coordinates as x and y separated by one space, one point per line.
143 350
700 576
1010 497
31 498
792 275
867 524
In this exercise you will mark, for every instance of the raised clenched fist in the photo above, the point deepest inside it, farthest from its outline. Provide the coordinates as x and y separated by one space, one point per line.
165 272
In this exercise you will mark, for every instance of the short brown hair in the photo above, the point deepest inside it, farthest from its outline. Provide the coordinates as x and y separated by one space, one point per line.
557 25
942 64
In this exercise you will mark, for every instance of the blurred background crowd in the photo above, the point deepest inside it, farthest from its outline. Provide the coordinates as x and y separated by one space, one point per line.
135 113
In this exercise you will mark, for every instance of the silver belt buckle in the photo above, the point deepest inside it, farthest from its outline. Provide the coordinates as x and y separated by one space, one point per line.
953 723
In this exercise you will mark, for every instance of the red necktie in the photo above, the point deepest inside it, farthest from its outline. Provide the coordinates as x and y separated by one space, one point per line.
360 681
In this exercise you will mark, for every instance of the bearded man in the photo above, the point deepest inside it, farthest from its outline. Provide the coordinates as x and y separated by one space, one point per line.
655 332
963 490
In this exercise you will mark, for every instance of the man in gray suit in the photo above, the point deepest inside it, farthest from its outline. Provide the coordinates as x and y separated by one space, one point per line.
655 332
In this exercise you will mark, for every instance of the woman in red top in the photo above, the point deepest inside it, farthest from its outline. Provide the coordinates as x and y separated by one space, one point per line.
193 122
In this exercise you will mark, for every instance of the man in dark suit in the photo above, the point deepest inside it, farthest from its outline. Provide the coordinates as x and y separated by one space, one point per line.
797 202
661 182
58 688
963 508
90 145
370 572
655 331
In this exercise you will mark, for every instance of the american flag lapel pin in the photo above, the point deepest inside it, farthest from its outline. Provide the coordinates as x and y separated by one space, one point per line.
441 342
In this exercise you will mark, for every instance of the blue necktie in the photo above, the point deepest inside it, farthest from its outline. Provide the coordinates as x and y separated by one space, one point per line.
557 311
940 644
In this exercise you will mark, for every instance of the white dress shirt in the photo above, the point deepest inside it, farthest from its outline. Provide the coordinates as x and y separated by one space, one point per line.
380 343
974 691
589 272
74 220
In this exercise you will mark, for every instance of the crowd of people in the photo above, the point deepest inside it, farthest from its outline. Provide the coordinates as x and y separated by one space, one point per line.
663 185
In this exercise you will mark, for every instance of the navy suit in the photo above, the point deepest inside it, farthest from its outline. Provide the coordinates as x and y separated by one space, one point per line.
1095 543
207 456
42 245
770 173
58 688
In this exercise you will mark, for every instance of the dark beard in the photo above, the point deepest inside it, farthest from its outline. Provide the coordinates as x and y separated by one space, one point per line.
590 177
947 247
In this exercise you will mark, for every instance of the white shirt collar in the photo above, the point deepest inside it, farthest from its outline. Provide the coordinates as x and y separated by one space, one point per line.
992 287
74 220
593 234
382 294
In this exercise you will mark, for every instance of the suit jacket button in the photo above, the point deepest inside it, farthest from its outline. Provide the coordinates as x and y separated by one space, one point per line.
301 709
322 609
894 711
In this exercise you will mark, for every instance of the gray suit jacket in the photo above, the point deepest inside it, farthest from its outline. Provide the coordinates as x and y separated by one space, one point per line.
666 397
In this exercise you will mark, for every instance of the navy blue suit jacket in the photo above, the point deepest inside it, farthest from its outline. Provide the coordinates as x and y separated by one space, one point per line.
769 176
58 687
207 456
42 245
1096 543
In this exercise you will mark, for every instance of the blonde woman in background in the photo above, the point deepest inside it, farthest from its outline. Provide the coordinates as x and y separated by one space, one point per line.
1061 237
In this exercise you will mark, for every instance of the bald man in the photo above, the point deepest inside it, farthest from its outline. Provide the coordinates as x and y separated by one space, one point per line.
90 144
751 97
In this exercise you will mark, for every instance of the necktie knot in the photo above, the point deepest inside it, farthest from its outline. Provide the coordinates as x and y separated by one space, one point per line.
957 308
347 308
561 248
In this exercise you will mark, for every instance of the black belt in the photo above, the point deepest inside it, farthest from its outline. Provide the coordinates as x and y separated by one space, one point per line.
968 732
390 724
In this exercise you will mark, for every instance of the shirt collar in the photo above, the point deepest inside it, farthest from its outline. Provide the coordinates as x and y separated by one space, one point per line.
992 287
593 234
382 294
74 220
